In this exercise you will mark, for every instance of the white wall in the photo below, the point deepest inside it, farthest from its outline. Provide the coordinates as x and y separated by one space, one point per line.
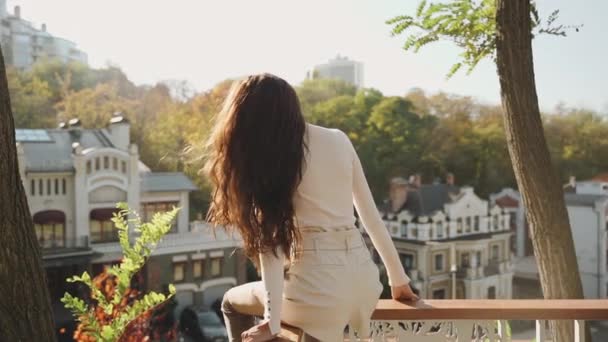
590 254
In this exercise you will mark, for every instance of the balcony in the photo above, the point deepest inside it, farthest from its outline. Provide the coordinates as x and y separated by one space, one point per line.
200 237
477 320
55 248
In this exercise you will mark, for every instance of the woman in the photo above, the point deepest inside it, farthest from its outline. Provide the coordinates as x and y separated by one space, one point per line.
288 188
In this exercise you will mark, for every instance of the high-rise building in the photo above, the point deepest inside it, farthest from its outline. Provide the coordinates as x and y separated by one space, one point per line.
23 44
340 68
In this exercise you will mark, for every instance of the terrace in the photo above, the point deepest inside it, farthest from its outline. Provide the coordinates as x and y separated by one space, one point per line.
474 320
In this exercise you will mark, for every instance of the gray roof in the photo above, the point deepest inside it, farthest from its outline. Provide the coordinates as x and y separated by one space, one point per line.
585 200
166 181
429 198
55 153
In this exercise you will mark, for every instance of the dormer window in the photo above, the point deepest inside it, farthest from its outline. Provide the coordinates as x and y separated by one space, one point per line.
439 227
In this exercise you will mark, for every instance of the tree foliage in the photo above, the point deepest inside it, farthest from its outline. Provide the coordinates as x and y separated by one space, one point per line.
470 24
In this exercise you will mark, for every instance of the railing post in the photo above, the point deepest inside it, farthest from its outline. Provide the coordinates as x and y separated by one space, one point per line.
502 330
579 331
541 331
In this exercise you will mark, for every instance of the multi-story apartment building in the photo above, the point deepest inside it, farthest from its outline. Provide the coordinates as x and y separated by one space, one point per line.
23 44
451 242
340 68
74 177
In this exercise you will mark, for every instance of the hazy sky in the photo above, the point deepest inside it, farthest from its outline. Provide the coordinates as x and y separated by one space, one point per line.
205 42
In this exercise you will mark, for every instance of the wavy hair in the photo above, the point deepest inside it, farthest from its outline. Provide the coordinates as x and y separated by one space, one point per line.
255 160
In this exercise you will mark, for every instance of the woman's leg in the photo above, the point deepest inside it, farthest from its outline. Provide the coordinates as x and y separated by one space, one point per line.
240 306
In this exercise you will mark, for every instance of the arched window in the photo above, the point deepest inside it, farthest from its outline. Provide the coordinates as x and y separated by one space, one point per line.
50 228
101 225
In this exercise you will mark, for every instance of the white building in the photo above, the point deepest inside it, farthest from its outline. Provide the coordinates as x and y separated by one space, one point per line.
74 177
340 68
23 44
587 205
451 242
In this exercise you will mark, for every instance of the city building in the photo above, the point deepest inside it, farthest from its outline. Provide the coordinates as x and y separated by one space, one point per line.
587 205
23 44
451 242
510 201
74 177
340 68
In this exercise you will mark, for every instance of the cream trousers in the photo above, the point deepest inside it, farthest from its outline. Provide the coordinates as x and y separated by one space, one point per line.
330 284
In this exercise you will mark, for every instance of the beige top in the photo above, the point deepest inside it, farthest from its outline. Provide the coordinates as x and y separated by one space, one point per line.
332 181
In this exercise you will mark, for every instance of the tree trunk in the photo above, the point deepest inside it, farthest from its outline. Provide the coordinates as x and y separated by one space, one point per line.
25 307
537 180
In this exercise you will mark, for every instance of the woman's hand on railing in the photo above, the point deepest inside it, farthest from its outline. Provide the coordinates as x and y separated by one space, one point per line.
258 333
403 292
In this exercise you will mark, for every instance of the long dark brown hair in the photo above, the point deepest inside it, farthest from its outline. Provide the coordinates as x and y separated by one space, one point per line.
255 160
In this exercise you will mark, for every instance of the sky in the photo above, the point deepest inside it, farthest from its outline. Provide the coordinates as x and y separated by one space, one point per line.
205 42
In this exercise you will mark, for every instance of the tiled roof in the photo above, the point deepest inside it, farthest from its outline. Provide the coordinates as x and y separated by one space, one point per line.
430 198
166 181
55 153
585 200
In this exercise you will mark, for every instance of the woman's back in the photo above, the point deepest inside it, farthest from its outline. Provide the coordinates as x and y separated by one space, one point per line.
324 196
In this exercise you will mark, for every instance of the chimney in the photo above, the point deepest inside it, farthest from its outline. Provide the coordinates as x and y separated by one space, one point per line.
119 131
75 122
398 193
450 179
18 11
417 180
43 27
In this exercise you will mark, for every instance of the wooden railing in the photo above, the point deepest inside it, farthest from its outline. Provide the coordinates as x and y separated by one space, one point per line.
477 320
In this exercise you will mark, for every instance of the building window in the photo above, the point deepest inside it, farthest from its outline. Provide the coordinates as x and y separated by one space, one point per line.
33 187
216 266
101 225
439 226
439 294
123 166
63 186
476 223
179 271
438 262
40 184
106 162
459 225
149 209
495 252
464 260
414 233
48 186
467 226
495 225
115 164
404 228
407 260
97 164
88 167
492 292
56 186
478 257
197 269
50 228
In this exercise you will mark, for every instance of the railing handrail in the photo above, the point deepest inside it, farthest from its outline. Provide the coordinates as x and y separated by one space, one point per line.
493 309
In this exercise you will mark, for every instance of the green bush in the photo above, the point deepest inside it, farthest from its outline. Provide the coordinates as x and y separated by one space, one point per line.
107 320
